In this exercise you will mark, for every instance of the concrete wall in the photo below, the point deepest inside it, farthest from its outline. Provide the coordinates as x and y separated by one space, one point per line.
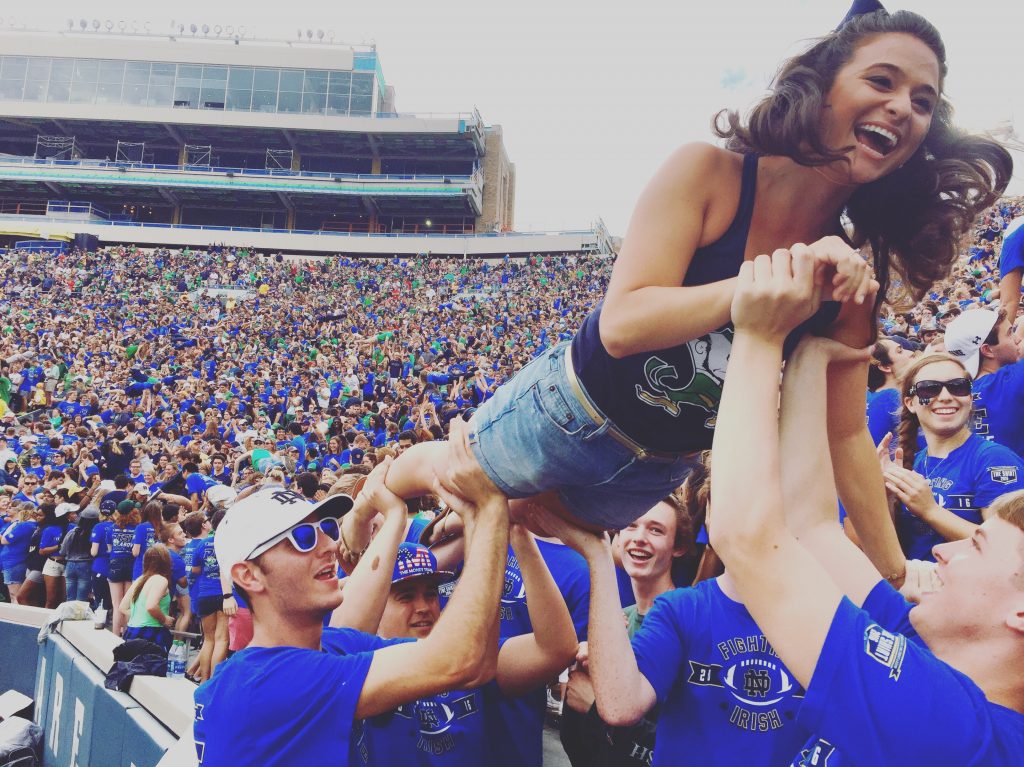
320 243
498 214
19 627
163 115
83 723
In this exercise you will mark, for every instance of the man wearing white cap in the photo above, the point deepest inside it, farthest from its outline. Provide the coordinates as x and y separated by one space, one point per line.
983 340
292 695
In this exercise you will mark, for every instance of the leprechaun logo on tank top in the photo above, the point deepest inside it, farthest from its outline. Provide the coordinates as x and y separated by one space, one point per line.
698 385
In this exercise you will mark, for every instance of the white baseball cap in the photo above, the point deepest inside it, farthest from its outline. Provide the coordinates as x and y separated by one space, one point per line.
65 508
265 515
966 334
220 494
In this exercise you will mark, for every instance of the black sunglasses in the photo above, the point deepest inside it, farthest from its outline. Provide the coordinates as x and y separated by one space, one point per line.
958 387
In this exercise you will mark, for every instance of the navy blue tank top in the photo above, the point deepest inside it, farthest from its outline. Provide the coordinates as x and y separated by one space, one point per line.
667 400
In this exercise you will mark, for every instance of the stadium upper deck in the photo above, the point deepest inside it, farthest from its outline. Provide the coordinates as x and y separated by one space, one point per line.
185 130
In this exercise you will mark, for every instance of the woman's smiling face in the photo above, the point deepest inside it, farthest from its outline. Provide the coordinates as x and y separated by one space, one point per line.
945 414
881 103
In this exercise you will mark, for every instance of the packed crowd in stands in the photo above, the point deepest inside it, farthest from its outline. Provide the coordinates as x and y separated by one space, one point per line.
247 370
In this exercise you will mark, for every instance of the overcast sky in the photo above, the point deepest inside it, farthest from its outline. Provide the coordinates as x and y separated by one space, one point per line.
593 96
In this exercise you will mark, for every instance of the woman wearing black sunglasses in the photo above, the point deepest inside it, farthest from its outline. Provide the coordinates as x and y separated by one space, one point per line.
947 488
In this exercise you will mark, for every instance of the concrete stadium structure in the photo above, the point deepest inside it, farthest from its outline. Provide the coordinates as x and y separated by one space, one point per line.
183 138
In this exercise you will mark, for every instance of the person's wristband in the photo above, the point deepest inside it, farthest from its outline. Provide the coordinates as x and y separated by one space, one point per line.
228 596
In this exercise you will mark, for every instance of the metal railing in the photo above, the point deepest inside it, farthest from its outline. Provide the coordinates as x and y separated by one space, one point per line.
276 172
329 233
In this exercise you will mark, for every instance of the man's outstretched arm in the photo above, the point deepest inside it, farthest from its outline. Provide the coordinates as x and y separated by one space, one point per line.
786 591
458 649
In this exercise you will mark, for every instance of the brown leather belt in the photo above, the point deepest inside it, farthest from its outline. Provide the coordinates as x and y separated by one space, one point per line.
601 420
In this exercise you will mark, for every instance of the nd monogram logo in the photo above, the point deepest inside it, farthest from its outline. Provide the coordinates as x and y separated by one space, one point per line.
757 683
287 497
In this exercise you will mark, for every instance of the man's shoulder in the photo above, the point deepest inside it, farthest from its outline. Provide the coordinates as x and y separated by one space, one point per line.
685 601
985 452
349 641
1007 376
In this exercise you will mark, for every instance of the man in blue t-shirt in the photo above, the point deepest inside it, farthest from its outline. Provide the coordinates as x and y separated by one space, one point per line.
516 723
455 727
942 683
983 341
314 683
196 484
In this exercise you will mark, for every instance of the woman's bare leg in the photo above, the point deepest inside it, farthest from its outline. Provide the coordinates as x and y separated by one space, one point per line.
28 594
206 653
117 592
54 590
551 501
410 476
220 642
184 613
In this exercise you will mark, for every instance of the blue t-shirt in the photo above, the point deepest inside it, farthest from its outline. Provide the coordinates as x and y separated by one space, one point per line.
109 501
14 555
1011 256
872 655
412 535
725 696
189 556
52 536
446 730
208 579
883 413
120 540
198 484
101 562
177 569
145 536
964 482
334 462
999 405
302 703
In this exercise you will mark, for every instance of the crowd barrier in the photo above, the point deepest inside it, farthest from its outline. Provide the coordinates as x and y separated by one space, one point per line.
83 723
